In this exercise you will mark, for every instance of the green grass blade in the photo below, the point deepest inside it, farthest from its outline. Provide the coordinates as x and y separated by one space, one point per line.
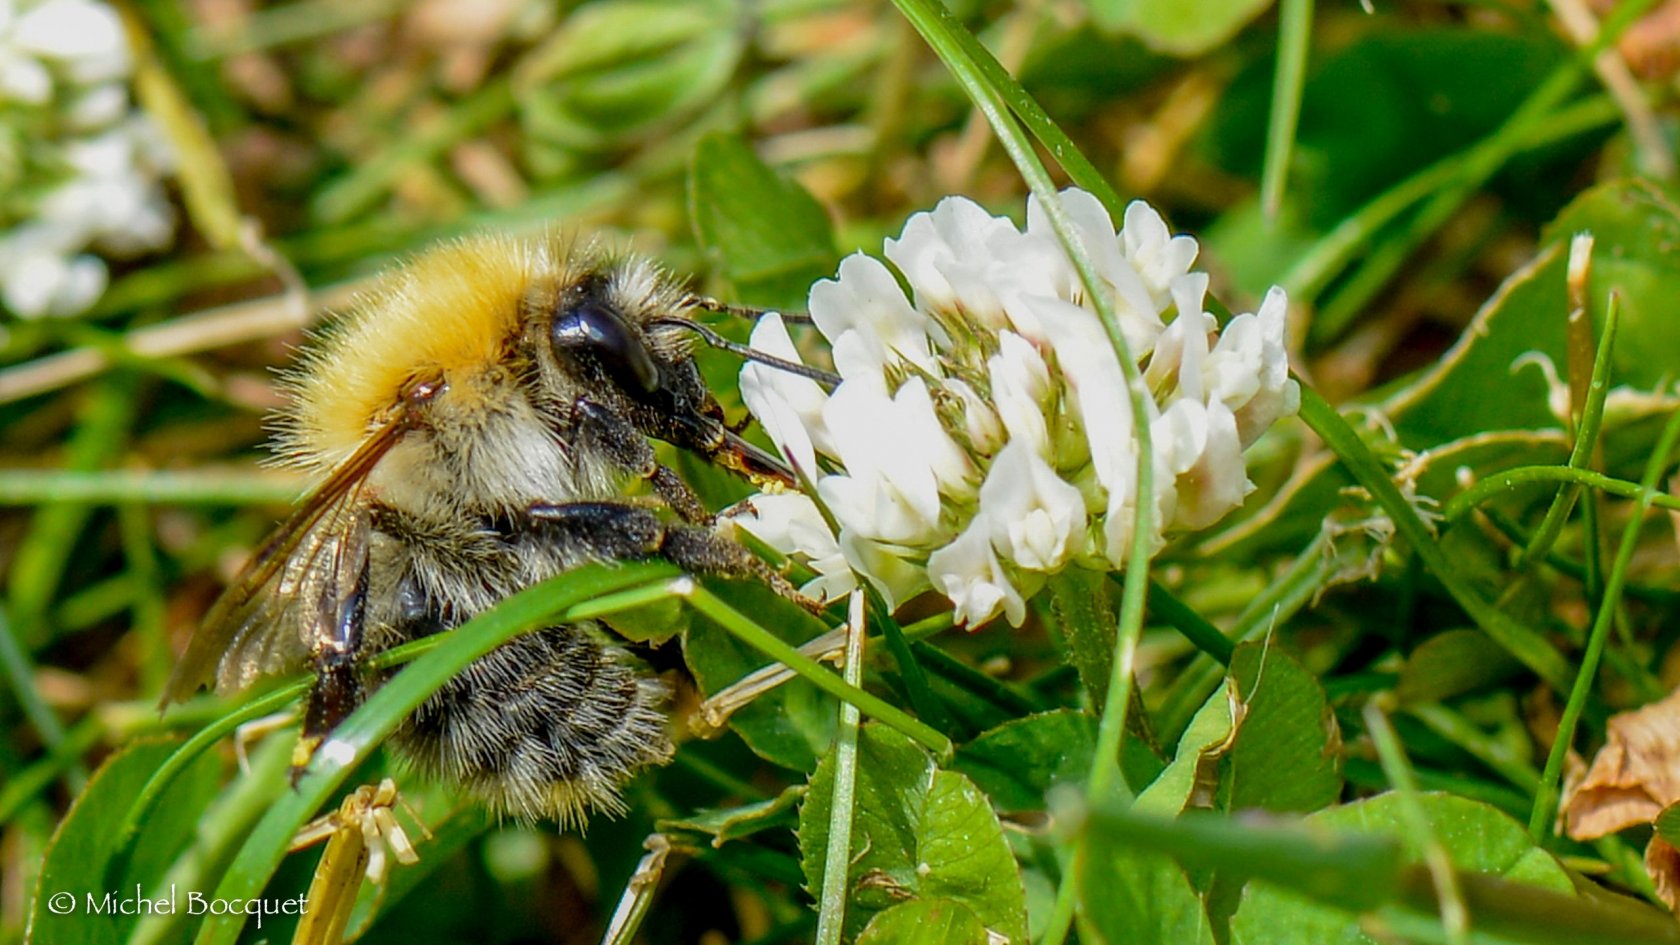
148 487
749 632
1351 238
38 563
1195 628
1294 41
1449 894
1508 480
20 673
831 912
1589 424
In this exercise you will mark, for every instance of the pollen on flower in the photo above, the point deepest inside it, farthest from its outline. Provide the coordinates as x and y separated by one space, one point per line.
980 439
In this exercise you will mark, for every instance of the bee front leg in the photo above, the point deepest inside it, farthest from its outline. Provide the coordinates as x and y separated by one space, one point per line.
629 449
618 531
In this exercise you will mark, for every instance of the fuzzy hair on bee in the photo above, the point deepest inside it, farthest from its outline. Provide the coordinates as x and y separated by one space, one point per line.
473 421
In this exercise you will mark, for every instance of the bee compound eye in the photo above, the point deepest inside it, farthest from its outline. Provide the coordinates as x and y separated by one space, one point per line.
593 330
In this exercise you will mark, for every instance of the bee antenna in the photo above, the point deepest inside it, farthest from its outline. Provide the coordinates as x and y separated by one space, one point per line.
716 340
748 311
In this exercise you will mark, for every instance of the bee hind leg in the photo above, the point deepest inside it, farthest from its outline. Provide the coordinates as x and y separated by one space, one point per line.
336 693
338 683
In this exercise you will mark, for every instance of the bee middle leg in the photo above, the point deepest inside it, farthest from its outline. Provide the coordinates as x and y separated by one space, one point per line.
629 449
620 531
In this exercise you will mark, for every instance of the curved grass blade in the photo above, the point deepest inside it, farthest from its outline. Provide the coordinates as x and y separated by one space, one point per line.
384 710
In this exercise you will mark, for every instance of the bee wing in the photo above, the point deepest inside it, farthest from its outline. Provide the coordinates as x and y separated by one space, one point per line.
292 594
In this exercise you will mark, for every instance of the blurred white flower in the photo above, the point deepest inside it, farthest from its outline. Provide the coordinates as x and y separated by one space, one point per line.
81 169
981 438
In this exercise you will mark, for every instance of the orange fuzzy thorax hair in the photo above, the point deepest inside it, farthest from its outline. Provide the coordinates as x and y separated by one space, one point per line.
448 313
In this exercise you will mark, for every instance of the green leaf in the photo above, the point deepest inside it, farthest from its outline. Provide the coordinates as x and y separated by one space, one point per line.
917 833
1207 735
657 621
963 855
1477 839
1018 762
925 922
1183 27
1288 750
767 235
1328 859
76 858
1450 664
733 823
1668 825
1472 389
600 36
1133 895
892 778
1266 739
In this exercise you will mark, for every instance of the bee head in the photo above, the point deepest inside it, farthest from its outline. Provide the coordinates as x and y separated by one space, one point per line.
614 335
592 337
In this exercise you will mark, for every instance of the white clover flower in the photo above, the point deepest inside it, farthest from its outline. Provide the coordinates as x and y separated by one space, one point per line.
969 573
790 522
1036 519
981 438
81 167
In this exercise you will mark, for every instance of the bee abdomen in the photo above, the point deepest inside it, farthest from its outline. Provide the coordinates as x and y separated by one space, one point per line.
548 725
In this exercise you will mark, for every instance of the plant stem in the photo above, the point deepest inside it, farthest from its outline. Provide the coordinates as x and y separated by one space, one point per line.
1294 40
1455 916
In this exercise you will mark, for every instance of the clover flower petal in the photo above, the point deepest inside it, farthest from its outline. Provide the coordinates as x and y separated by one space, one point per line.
867 319
791 522
1037 520
944 254
788 406
1020 383
968 572
895 576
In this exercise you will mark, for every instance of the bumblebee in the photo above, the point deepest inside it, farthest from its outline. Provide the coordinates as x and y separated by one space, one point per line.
472 422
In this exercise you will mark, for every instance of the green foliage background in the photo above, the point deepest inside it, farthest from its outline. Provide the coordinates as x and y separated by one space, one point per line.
1341 721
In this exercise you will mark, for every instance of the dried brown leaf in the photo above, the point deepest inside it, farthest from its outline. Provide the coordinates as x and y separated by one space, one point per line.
1633 777
1662 862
